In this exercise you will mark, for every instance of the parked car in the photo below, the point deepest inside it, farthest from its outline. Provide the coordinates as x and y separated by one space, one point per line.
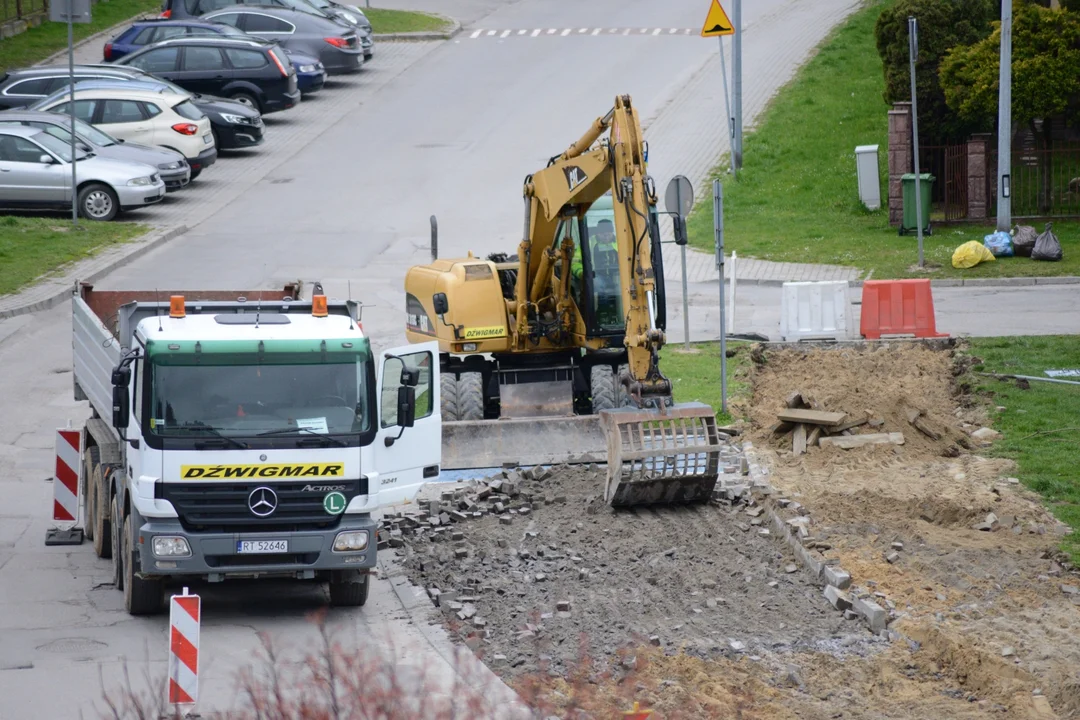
353 16
154 30
162 118
310 73
337 46
253 72
171 165
35 173
234 125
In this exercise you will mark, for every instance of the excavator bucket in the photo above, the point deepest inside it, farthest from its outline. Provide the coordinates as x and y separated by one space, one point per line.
660 458
523 441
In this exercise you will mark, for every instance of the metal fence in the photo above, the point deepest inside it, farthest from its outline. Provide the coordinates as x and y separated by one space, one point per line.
1043 182
22 9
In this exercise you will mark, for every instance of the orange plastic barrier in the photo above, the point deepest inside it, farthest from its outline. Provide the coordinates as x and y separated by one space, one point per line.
898 307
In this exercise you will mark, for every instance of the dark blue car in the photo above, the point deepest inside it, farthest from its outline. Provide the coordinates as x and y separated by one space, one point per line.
310 73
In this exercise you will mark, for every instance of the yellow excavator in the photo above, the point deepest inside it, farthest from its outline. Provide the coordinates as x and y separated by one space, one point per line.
552 355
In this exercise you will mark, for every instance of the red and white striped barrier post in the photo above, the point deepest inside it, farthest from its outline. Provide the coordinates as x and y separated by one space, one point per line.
184 613
66 489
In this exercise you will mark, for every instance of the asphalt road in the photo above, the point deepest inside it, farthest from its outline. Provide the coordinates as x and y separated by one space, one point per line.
343 194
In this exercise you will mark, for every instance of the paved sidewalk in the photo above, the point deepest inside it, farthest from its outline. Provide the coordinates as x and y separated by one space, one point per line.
701 267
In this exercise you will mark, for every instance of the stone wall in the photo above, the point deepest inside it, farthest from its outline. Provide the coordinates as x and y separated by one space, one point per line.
900 158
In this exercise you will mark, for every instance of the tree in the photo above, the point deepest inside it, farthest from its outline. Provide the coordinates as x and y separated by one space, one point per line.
1045 76
943 24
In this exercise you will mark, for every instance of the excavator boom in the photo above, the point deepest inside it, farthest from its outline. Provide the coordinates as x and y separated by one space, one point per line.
576 300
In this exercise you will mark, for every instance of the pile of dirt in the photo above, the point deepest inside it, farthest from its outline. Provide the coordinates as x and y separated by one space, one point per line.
987 605
573 577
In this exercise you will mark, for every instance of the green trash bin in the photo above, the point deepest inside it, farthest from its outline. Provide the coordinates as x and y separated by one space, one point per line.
926 182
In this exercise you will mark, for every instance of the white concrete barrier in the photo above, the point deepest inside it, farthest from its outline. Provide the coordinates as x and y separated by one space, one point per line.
814 311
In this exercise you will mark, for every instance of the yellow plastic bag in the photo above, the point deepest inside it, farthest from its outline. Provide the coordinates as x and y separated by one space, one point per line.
971 254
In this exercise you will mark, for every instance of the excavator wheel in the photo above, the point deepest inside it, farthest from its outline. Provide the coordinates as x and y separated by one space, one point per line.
470 398
448 404
604 387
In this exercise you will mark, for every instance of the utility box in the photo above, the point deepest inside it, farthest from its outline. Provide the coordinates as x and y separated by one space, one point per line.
866 165
926 184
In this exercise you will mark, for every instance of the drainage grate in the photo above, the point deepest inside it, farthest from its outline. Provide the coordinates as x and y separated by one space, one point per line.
71 645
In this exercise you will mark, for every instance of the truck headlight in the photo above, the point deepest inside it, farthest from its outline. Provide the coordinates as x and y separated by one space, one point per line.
140 181
351 541
469 347
166 546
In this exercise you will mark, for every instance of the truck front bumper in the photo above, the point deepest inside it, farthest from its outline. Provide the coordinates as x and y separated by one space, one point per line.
216 555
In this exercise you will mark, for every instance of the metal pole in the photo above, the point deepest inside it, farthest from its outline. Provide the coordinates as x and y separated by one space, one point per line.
913 52
727 105
71 108
1004 192
718 231
734 282
434 238
736 64
685 302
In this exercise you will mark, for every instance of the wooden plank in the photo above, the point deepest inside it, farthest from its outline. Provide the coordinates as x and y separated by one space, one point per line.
795 400
848 425
815 435
916 418
798 442
777 428
813 417
848 442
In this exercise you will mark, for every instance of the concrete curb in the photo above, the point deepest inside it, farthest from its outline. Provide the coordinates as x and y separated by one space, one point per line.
973 282
422 614
98 36
454 29
834 580
59 288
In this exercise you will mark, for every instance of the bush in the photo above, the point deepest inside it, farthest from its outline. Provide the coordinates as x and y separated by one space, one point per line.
943 24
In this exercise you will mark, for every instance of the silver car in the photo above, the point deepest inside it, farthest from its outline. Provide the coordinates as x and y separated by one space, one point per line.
171 165
35 173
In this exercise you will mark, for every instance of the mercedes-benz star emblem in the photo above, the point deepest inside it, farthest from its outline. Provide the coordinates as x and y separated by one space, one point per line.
262 501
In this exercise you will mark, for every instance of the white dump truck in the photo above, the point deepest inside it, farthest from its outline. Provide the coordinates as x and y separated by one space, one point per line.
245 434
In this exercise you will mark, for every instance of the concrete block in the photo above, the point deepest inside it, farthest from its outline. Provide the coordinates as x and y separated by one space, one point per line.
837 577
875 615
837 598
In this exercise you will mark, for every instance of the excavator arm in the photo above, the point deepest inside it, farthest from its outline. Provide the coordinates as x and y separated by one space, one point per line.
572 181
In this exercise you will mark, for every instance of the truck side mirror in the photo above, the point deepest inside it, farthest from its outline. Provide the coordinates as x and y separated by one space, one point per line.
440 303
121 404
410 377
678 224
406 401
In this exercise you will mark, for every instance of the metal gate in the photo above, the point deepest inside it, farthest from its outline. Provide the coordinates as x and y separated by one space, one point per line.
948 165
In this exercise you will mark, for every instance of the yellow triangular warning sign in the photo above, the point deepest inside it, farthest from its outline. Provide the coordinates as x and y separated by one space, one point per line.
717 23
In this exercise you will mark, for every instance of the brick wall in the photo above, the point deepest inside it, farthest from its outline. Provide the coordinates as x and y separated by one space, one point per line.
900 158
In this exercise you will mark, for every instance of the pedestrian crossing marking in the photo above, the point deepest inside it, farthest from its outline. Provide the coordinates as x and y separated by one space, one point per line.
504 33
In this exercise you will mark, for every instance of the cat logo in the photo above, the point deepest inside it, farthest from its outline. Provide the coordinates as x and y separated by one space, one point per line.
574 176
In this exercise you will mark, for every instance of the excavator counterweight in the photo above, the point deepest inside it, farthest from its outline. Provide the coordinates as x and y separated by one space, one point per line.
552 354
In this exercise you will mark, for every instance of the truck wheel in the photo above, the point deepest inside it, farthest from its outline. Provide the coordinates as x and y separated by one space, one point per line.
602 383
622 395
471 396
448 404
117 557
91 459
102 530
349 588
141 596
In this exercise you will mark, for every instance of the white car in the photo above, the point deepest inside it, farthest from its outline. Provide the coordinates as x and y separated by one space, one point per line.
35 173
148 117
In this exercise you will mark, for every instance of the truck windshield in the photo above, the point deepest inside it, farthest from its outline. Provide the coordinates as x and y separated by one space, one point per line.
244 395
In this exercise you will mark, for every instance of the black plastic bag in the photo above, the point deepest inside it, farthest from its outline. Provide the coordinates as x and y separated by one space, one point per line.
1047 246
1024 237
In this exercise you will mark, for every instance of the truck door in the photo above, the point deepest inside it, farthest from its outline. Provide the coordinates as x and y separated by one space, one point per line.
414 455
